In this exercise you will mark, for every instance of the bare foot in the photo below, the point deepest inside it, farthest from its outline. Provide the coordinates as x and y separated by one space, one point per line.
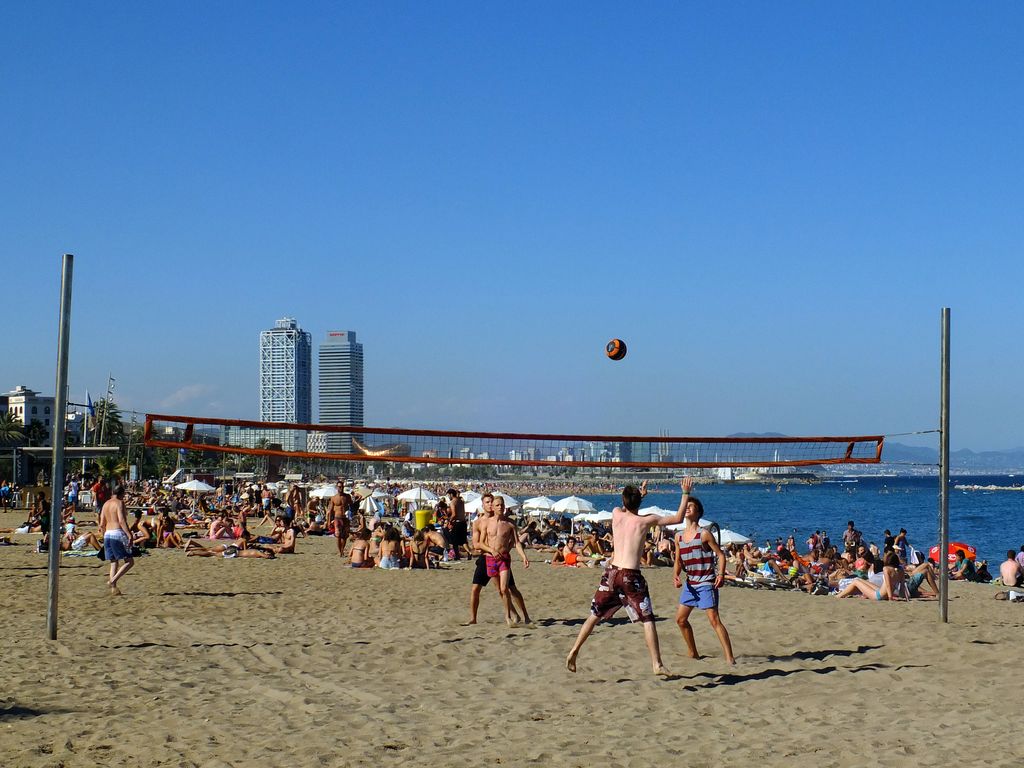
114 591
512 622
469 623
570 662
662 670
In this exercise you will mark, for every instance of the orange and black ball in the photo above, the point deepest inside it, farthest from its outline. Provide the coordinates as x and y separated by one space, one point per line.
616 349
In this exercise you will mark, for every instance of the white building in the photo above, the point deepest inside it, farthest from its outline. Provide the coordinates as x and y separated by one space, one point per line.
286 379
26 406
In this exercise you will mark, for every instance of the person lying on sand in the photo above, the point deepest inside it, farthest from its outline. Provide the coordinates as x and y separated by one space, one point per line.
194 549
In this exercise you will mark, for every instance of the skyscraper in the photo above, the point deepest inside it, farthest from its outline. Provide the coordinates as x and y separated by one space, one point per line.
341 387
286 378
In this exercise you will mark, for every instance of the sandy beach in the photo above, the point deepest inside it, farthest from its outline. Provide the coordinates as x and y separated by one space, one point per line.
303 662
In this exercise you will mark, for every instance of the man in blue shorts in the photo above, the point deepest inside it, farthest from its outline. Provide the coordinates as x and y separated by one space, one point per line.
697 552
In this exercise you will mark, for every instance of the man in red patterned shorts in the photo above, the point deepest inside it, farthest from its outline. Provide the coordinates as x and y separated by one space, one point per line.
622 585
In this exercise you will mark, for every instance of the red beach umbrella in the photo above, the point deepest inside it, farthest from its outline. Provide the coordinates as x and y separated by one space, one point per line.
954 547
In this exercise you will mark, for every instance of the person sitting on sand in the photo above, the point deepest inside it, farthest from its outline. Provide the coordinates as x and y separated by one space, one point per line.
142 530
166 536
893 587
924 573
359 556
390 547
963 569
73 541
419 556
567 555
1010 572
220 528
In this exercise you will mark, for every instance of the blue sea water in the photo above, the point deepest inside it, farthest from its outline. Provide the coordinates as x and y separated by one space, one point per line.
991 521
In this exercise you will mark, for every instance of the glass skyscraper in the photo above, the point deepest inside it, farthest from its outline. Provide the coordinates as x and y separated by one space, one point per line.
341 387
286 379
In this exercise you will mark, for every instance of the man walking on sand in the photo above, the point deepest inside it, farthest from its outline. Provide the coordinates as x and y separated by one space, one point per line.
622 585
502 536
117 541
480 578
338 512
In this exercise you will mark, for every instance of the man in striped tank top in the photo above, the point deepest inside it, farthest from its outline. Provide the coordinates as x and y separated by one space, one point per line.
698 554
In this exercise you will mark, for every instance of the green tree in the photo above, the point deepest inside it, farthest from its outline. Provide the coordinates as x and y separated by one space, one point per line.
112 467
36 433
109 423
12 434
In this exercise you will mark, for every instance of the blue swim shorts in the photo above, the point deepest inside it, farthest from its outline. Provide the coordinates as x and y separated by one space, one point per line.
115 547
701 596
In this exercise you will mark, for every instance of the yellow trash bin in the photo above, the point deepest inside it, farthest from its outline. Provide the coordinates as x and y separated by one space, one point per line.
423 518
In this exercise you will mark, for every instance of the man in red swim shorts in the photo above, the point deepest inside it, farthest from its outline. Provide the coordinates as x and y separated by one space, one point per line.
622 585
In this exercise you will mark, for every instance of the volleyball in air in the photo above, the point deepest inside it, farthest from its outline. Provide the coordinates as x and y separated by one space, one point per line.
616 349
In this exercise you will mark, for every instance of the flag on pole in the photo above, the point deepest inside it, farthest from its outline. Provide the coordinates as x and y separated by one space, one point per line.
89 405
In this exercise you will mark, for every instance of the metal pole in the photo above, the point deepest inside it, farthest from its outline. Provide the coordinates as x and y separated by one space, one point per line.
57 477
944 473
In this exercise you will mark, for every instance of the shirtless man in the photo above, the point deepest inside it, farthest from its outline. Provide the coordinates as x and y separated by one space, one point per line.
459 539
622 584
338 511
117 541
501 537
480 577
1010 572
287 545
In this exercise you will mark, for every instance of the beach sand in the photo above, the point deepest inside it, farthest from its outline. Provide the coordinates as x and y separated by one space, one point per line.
302 662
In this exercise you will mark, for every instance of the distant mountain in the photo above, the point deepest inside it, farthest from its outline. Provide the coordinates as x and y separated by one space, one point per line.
964 460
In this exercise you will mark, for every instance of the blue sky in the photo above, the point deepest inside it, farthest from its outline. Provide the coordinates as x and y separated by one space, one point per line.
769 202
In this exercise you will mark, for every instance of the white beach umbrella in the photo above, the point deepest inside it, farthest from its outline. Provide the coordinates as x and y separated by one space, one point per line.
703 523
468 496
573 504
379 494
538 504
656 510
731 537
593 517
368 506
475 506
323 492
418 495
196 486
510 502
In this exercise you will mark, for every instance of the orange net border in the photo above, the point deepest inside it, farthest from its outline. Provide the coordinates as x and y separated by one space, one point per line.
774 451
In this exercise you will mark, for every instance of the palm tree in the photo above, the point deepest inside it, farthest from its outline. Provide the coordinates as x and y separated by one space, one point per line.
36 433
112 466
108 423
11 434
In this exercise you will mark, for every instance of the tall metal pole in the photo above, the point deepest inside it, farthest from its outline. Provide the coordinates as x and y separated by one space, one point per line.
57 477
944 473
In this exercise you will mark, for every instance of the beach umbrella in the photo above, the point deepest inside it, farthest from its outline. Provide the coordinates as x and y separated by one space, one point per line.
468 496
655 510
379 494
418 495
703 523
324 492
954 546
727 536
196 486
538 504
368 506
510 502
573 504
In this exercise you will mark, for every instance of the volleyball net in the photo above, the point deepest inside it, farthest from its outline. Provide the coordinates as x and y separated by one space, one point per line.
427 446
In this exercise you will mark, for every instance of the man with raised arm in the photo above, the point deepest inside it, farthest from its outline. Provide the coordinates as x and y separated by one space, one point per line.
622 585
